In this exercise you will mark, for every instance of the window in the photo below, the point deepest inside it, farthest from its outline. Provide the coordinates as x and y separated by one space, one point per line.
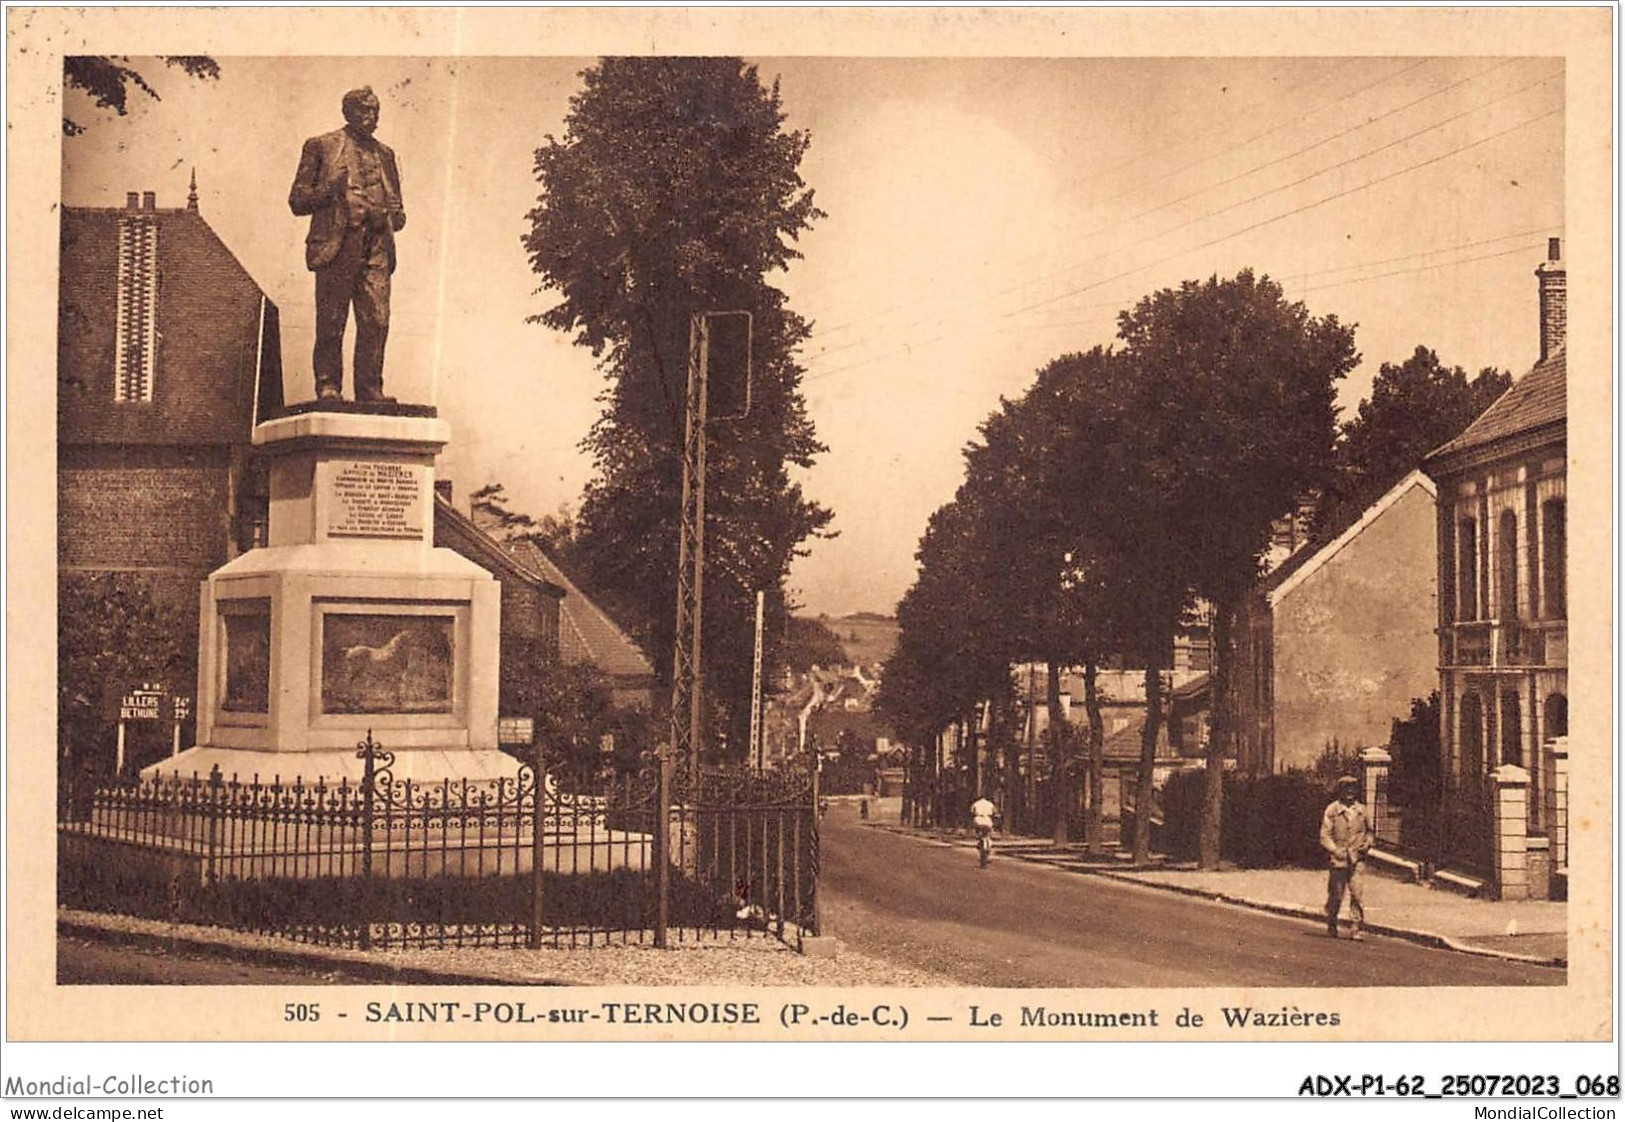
1557 716
1471 737
1554 559
1511 730
1506 566
1467 570
135 338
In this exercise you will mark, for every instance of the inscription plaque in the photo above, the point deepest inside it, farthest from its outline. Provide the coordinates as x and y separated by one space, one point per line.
376 500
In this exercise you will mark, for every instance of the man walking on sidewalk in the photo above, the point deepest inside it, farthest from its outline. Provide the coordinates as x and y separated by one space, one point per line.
1345 835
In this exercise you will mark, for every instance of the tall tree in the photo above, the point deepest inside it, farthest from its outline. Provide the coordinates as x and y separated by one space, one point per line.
675 190
1018 569
1238 419
1129 573
1035 480
1414 407
110 629
107 80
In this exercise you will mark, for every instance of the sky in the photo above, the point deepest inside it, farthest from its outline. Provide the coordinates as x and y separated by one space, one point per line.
983 217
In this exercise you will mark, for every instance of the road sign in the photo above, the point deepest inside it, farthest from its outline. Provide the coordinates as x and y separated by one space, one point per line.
142 702
515 730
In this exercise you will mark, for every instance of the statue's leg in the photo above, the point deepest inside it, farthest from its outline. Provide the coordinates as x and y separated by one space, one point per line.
333 284
371 321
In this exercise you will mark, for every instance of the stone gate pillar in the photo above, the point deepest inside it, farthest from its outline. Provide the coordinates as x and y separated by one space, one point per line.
1374 764
1509 809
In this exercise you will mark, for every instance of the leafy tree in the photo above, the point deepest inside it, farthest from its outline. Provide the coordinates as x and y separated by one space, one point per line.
674 191
1235 421
948 659
554 533
111 630
576 718
492 513
809 643
1415 779
1130 579
1026 565
1037 564
107 80
1414 408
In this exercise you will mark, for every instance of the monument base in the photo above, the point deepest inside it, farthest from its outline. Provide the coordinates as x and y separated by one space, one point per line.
374 408
331 766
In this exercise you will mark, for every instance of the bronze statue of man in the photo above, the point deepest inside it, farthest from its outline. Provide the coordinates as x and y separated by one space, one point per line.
350 187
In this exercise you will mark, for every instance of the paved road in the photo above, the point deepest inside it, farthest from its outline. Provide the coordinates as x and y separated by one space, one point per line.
82 961
1019 924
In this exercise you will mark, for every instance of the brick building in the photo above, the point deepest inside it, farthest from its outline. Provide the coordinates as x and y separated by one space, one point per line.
1502 571
168 353
587 635
530 604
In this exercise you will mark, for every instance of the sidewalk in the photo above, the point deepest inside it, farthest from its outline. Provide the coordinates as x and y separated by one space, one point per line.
1522 930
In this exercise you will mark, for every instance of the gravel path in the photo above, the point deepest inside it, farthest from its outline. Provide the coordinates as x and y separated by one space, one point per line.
758 961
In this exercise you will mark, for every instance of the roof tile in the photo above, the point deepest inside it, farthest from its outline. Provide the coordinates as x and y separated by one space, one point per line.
586 634
1539 398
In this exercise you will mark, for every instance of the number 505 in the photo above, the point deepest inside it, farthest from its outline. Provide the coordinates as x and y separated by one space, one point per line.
298 1011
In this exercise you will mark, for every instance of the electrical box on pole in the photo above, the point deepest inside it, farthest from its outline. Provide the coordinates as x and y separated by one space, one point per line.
728 340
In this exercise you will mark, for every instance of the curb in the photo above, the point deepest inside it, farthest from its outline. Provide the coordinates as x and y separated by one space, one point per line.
1293 911
1299 911
366 969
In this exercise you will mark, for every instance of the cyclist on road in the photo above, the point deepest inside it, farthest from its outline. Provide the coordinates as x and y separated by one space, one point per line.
981 815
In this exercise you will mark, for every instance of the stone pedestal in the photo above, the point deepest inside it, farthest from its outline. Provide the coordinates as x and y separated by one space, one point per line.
1510 809
349 620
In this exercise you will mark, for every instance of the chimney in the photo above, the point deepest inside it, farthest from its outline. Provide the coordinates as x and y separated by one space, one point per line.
1554 311
149 200
132 200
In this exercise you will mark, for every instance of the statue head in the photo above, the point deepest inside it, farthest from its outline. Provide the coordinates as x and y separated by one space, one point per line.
361 110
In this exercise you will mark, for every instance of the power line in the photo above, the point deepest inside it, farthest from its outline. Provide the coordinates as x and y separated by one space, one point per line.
1432 251
1097 321
1243 202
1294 155
826 332
1304 116
1423 268
1207 244
1239 116
1289 213
1356 159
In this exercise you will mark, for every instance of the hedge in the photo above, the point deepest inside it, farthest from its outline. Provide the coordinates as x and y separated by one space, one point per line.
1267 821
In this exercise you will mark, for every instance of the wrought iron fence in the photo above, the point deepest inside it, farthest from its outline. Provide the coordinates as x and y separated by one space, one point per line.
509 862
1464 830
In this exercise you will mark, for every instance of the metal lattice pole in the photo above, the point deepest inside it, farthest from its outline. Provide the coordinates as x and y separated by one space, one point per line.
687 689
